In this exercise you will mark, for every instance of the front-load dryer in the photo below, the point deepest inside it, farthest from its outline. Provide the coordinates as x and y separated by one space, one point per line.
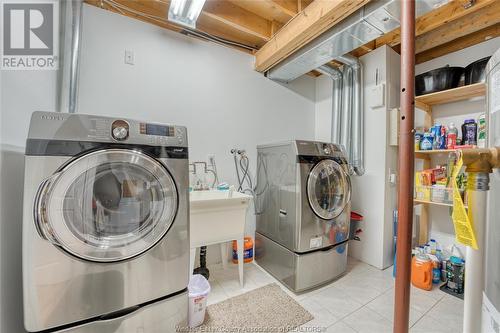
105 225
302 230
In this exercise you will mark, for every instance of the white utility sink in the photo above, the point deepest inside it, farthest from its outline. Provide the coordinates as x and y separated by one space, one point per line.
201 200
218 217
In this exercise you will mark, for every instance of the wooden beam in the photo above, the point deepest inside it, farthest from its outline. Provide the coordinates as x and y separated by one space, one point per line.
481 19
159 10
302 4
216 27
275 27
435 19
289 6
459 44
155 9
238 18
441 16
272 10
310 23
364 49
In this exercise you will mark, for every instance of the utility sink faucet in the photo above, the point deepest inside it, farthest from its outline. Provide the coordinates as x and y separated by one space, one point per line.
200 183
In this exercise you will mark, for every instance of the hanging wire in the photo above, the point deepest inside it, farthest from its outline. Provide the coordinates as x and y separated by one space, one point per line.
245 179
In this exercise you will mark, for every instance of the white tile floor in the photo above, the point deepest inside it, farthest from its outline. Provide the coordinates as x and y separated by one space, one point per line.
360 301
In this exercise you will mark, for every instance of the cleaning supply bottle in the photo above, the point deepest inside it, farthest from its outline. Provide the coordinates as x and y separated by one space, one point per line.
481 131
436 272
247 250
433 246
452 140
421 272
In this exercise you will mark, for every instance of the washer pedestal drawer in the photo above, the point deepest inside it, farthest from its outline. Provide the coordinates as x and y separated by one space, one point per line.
300 272
159 317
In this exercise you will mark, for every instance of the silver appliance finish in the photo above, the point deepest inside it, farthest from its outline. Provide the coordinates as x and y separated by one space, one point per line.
68 283
300 272
293 231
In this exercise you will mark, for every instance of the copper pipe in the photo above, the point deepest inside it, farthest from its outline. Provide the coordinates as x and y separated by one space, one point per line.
406 168
481 159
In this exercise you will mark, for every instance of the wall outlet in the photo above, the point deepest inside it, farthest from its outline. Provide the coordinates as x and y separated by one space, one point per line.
129 57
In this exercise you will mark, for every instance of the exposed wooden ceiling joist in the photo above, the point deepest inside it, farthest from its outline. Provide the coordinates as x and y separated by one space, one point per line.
302 4
435 19
238 18
481 19
219 28
232 23
304 27
459 44
154 9
268 9
449 28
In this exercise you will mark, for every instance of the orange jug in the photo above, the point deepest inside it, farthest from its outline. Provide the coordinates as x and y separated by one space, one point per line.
247 250
421 271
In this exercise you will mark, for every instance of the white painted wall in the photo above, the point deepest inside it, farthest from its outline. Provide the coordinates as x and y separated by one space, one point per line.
372 196
441 226
22 92
211 89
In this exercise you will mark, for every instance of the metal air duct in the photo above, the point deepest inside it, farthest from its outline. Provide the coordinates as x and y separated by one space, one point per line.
366 24
355 110
336 76
346 114
71 21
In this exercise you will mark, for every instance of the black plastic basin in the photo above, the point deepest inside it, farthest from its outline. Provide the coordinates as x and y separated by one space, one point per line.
438 79
474 72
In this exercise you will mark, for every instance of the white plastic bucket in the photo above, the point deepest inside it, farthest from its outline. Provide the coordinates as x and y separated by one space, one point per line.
198 292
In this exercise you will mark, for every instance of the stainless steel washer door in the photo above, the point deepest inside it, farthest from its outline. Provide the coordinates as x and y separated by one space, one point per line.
328 189
108 205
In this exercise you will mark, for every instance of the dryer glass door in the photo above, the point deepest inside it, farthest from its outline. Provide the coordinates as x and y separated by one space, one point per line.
328 189
108 205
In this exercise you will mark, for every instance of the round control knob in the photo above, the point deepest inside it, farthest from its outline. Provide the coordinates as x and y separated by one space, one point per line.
120 133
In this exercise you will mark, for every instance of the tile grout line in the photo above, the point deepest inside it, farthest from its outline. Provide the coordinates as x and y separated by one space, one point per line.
425 313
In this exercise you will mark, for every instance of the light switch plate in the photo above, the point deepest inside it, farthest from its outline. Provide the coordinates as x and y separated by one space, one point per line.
129 57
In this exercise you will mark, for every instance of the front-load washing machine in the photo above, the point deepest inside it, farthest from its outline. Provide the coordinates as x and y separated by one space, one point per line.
105 226
304 191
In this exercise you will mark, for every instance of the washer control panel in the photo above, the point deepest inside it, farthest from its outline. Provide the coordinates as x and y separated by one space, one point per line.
162 134
120 130
82 127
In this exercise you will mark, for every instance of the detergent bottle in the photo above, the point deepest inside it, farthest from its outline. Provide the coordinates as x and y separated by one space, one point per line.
421 271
